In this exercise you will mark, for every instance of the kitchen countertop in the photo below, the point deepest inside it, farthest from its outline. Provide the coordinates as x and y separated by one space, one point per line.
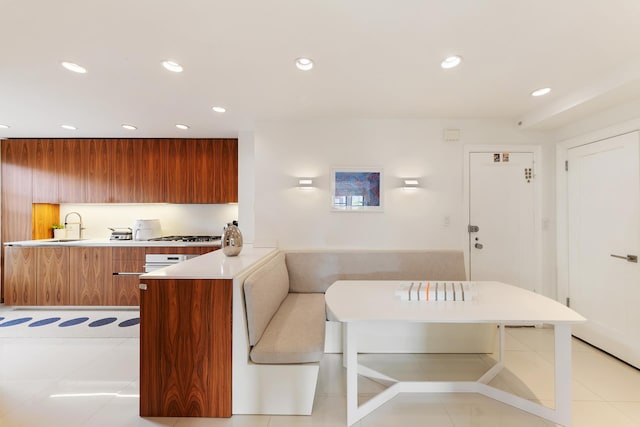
109 243
212 265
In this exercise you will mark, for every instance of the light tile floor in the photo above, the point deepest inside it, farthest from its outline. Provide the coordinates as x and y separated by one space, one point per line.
42 382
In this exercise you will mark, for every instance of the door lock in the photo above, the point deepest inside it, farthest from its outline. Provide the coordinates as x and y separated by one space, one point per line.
478 246
473 228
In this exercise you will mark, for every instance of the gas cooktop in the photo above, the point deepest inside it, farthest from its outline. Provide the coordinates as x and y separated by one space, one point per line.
186 239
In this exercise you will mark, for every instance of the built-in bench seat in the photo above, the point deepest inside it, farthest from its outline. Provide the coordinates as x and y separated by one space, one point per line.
280 312
283 327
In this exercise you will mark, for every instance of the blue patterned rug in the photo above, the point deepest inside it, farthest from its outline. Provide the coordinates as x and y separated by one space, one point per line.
68 322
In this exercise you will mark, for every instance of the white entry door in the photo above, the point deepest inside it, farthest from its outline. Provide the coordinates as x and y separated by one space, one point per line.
604 238
502 206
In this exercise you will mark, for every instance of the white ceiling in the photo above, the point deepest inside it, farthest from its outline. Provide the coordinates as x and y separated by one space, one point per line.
374 58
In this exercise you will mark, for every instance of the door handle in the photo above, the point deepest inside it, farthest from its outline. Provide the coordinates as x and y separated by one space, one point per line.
478 246
630 258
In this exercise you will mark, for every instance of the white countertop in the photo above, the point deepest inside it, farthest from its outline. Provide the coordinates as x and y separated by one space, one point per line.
109 243
213 265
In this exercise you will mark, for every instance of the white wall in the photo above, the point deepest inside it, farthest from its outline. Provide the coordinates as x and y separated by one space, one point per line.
246 185
292 218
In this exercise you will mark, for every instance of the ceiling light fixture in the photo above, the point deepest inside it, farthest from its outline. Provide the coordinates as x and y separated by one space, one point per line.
451 62
172 66
129 127
219 109
304 64
4 126
72 66
68 127
541 92
182 127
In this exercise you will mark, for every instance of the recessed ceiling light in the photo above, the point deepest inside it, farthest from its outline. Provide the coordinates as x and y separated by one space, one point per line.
4 126
172 66
68 127
541 92
451 62
71 66
182 127
129 127
304 64
219 109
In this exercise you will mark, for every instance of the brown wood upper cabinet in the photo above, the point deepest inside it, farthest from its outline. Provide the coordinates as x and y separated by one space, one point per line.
84 173
139 173
132 170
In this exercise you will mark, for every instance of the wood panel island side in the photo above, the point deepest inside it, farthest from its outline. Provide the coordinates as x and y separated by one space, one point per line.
186 335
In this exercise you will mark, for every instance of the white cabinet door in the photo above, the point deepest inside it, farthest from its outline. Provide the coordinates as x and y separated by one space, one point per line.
603 219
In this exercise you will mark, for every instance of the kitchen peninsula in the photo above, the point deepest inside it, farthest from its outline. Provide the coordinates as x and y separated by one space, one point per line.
186 334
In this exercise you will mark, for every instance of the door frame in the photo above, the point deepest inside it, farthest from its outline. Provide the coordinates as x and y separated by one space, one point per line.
562 196
537 232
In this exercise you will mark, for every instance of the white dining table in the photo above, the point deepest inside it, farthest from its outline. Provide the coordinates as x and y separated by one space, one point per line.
354 302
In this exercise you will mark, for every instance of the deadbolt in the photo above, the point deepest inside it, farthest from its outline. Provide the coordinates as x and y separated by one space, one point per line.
473 228
478 246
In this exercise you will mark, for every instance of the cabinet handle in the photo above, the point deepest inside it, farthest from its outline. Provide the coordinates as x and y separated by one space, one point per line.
124 273
142 286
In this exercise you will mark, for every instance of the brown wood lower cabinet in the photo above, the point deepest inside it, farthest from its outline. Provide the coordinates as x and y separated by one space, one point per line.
185 348
90 276
20 276
53 276
79 275
126 263
36 276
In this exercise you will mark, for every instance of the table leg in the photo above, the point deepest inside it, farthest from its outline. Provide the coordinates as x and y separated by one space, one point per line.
562 335
351 358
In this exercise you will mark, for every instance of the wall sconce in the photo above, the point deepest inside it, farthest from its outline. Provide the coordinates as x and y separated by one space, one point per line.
305 183
410 183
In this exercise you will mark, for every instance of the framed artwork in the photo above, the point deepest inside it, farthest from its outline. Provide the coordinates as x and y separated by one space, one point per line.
357 189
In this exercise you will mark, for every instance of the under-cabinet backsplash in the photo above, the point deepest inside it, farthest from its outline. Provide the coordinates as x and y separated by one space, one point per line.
174 218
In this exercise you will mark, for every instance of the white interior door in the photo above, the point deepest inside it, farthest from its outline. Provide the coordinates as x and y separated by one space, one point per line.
603 223
502 207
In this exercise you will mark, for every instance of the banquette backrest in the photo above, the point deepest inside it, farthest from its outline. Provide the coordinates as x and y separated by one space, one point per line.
315 271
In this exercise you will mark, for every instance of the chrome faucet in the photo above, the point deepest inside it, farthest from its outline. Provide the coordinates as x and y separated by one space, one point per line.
80 227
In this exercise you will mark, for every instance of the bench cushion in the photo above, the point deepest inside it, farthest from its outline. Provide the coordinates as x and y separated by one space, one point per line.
315 271
296 332
264 291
